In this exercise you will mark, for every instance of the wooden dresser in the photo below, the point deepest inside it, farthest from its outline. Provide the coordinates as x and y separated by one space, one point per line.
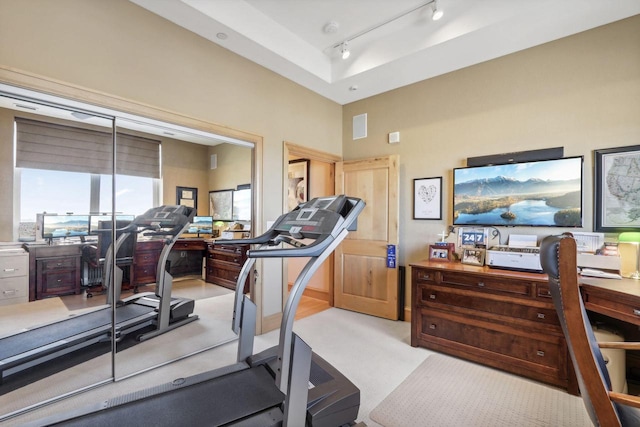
498 318
224 263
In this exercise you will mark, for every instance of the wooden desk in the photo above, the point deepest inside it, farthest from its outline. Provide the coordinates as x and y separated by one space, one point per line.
617 299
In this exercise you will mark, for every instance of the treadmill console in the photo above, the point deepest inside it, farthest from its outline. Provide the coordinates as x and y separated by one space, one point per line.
167 216
317 217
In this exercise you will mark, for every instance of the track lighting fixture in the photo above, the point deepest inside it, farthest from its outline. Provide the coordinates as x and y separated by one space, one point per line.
344 50
331 27
437 13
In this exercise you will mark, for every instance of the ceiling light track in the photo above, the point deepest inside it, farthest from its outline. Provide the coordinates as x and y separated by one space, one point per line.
435 15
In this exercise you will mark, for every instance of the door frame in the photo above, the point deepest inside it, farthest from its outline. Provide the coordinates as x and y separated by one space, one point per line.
291 149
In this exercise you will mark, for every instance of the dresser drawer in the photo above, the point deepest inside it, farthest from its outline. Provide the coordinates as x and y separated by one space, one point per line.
488 283
14 265
192 245
50 264
58 282
223 270
451 299
233 257
14 289
513 346
147 257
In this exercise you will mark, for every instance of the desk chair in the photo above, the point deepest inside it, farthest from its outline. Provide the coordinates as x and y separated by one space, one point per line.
606 408
93 256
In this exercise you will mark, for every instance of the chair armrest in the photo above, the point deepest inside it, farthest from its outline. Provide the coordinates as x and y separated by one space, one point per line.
620 345
625 399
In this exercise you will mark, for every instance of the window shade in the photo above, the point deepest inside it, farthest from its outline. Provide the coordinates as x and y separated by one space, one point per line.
42 145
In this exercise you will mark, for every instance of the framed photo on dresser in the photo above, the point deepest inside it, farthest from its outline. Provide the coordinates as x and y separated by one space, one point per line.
441 252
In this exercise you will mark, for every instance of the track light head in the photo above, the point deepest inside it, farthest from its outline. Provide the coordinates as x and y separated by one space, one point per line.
437 13
344 50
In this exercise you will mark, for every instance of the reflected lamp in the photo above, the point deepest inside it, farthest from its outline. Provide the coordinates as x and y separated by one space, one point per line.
634 239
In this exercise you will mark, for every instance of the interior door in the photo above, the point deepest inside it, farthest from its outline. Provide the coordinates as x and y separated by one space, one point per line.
363 281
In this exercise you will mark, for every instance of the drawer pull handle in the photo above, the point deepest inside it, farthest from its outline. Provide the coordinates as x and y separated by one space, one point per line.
432 296
10 292
59 280
59 264
540 315
432 326
636 312
481 284
10 270
540 353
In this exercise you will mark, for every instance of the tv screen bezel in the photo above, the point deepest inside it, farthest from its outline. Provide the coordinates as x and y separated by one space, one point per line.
494 224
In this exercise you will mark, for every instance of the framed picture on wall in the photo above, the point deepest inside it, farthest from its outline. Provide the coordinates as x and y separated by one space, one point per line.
221 205
427 198
187 196
298 188
617 189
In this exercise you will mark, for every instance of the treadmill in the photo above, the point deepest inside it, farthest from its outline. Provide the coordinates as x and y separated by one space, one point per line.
287 385
156 311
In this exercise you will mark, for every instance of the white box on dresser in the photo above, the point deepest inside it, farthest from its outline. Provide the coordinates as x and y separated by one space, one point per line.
14 276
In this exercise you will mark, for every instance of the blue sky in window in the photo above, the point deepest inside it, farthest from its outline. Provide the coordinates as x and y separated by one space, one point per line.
61 192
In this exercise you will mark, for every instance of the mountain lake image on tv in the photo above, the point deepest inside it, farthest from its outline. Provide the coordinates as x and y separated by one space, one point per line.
546 193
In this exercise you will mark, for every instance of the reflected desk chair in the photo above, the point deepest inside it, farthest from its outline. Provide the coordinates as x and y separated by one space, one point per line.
606 408
93 257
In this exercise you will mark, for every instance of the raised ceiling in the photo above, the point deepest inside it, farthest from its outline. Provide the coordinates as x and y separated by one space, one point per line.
289 36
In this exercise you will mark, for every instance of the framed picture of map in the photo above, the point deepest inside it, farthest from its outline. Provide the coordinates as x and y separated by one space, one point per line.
617 189
221 205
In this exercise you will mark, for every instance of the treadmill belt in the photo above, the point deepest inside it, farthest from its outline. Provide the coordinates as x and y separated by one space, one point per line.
32 339
212 403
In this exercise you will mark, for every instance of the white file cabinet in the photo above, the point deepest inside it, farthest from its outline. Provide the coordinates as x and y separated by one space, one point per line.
14 276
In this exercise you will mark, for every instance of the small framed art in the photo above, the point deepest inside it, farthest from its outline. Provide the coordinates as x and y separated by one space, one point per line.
187 196
427 198
473 256
440 252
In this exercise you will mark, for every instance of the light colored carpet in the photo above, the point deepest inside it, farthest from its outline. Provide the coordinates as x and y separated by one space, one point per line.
373 353
445 391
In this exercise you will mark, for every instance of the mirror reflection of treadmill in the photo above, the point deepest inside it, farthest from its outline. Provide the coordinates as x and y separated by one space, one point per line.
149 314
284 385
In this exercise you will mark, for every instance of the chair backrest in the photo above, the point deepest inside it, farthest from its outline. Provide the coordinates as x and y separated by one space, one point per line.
104 240
558 256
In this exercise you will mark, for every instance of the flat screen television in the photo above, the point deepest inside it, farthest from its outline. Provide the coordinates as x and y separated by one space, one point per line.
61 226
94 220
201 225
544 193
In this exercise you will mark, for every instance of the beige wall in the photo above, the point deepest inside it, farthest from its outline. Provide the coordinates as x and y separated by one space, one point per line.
185 165
581 93
233 166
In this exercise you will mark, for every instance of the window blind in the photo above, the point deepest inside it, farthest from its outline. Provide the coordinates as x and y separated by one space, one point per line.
43 145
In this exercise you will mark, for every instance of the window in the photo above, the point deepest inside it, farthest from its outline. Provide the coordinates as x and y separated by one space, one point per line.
66 167
61 192
134 194
53 192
